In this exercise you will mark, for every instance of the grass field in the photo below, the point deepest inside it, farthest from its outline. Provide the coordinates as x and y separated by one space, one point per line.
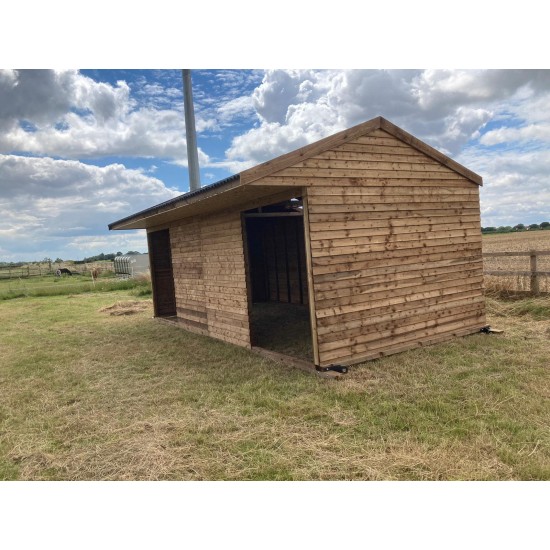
93 388
49 285
515 242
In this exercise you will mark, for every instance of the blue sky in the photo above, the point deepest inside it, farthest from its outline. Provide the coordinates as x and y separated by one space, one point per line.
80 149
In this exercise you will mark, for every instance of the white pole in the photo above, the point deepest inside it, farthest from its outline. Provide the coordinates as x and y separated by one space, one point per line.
190 132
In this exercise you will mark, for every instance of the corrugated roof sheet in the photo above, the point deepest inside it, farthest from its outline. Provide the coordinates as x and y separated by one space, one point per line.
177 199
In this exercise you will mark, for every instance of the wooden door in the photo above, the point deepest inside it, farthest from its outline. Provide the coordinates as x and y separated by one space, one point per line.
162 276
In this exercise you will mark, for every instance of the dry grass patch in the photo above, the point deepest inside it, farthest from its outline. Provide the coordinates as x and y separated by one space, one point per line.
127 307
88 396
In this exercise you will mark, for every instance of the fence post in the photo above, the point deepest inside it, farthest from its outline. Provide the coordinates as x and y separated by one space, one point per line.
535 290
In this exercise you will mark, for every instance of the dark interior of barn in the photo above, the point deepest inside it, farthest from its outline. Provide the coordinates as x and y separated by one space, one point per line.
278 278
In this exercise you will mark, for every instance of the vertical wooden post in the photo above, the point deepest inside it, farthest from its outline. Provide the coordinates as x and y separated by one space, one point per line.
535 289
311 290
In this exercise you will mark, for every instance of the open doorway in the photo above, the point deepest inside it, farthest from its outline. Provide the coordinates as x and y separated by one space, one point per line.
277 278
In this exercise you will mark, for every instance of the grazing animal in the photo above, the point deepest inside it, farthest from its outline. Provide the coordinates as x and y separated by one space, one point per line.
63 271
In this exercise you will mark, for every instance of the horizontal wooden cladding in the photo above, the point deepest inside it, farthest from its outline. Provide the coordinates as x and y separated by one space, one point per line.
321 223
390 192
383 308
390 246
308 151
397 291
387 280
410 168
398 268
398 202
345 241
405 325
348 356
210 277
362 303
366 229
301 180
349 220
427 208
353 327
378 134
333 265
353 151
405 346
371 173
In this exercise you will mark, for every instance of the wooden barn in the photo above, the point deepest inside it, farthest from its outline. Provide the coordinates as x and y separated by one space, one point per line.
372 233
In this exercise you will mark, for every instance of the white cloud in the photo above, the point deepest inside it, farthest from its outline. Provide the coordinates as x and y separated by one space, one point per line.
70 115
445 108
45 202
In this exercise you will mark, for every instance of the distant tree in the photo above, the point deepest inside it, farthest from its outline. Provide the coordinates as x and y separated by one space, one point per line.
534 226
488 229
132 253
58 260
119 253
545 225
519 227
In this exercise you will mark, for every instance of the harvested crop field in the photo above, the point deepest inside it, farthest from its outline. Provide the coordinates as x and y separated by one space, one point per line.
523 241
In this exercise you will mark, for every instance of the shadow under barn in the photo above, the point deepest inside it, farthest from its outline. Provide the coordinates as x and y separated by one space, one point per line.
277 278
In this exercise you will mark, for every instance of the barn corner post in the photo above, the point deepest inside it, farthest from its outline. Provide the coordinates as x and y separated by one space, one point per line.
247 278
310 287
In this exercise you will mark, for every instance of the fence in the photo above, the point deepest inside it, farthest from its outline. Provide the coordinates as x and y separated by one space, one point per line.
533 273
36 270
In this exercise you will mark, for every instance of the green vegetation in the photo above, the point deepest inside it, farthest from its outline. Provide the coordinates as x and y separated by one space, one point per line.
58 286
93 388
516 228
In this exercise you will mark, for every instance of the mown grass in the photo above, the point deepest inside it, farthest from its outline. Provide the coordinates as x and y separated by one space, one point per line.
87 395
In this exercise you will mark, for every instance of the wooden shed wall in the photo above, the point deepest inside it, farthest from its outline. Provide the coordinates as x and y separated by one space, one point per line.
209 275
395 242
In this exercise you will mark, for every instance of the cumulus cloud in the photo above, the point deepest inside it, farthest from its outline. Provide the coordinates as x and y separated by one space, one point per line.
45 202
445 108
67 114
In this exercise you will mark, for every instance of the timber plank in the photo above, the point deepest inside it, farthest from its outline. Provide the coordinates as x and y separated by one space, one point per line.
301 180
385 228
406 267
404 346
368 164
332 333
408 326
369 173
426 209
389 237
402 298
351 220
393 246
400 288
368 284
475 321
350 262
381 190
417 306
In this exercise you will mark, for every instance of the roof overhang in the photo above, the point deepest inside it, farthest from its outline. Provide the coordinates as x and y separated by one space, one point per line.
235 192
221 197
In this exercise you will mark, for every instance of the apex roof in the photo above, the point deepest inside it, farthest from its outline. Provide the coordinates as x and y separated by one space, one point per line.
238 183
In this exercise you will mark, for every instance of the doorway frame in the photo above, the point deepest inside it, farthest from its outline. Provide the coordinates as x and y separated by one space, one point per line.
309 279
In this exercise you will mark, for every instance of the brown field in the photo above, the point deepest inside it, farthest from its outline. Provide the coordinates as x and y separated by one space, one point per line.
516 242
